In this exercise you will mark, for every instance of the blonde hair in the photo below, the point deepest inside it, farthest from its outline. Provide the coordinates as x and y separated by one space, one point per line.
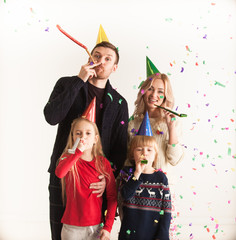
140 141
168 100
97 153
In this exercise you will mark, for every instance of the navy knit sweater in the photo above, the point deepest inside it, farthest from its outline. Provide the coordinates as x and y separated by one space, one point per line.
146 206
68 101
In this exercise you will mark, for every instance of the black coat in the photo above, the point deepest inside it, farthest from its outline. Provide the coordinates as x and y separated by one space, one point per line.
68 101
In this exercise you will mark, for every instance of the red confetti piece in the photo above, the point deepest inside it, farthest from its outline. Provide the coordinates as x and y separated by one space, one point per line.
171 64
213 236
187 48
196 64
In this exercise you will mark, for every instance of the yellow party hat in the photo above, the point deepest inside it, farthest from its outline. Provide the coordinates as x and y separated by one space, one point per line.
102 35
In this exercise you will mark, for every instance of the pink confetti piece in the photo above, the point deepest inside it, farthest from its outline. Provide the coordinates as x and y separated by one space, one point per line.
188 105
122 122
142 91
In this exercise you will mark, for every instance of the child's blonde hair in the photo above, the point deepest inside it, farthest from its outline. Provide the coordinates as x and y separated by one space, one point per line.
140 141
97 153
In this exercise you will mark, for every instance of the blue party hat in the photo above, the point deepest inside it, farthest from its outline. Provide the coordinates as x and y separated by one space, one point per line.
145 127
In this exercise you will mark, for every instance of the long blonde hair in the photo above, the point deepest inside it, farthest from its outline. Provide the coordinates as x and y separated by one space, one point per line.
168 100
140 141
96 152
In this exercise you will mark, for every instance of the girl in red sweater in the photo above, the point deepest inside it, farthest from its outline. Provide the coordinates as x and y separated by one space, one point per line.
82 218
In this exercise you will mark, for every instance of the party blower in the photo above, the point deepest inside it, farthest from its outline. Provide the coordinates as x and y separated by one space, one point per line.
74 40
72 150
143 160
175 113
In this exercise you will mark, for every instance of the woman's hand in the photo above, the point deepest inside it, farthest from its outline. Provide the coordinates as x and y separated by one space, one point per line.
105 235
99 186
170 119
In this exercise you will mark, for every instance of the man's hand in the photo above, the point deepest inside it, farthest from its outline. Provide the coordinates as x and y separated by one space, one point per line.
99 186
105 235
87 71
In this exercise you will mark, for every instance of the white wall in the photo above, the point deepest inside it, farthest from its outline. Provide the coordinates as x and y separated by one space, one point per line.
34 54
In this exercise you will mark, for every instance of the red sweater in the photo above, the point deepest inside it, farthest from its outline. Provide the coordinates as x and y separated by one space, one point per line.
84 208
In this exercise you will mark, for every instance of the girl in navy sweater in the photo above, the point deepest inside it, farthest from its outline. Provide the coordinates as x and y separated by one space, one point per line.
145 193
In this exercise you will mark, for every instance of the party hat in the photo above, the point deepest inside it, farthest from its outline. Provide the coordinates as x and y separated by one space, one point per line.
151 68
145 127
90 111
102 35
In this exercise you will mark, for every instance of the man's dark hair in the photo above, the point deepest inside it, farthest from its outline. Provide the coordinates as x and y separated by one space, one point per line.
108 45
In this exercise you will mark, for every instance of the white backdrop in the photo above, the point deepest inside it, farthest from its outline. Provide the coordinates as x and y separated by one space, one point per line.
191 41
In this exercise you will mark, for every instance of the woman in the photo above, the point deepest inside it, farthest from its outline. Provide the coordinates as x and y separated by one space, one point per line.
156 91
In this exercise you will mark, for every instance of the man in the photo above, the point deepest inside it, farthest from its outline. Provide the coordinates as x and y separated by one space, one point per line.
70 97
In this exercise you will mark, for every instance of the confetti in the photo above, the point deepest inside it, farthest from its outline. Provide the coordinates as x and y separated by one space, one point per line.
229 151
219 84
120 101
142 91
128 231
182 69
122 122
162 212
131 118
187 48
110 96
